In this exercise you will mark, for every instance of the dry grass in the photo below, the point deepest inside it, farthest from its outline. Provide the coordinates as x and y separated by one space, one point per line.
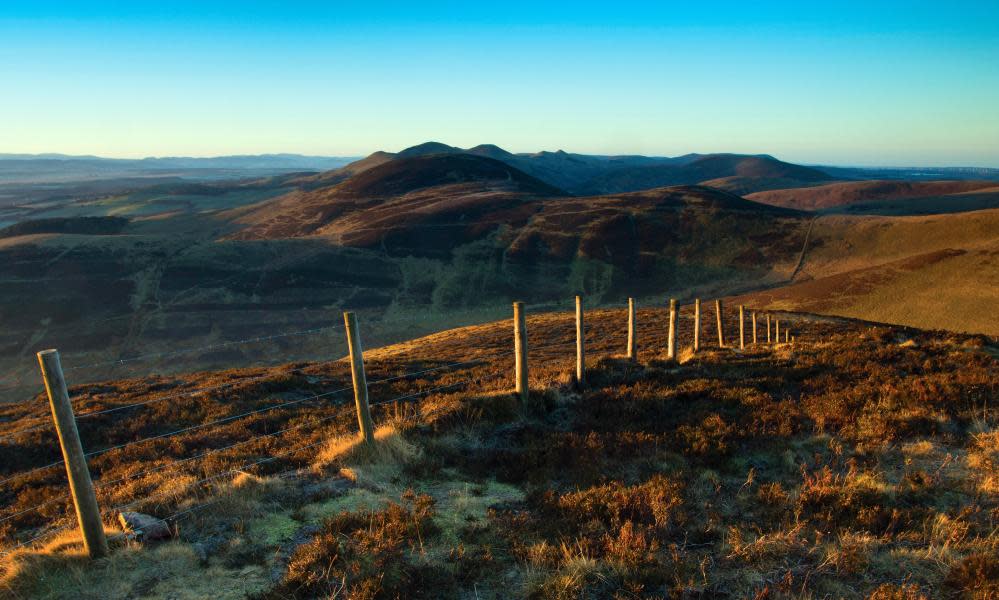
861 462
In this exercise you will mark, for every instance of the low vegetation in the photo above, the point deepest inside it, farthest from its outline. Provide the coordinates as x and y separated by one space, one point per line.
72 225
858 462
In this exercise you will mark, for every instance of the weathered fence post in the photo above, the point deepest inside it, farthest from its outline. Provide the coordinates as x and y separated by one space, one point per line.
81 487
364 422
754 327
520 349
787 335
742 327
768 328
631 329
580 350
671 341
697 324
718 316
777 331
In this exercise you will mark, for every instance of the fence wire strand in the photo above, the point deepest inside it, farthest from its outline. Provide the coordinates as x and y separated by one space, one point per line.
232 418
100 484
227 344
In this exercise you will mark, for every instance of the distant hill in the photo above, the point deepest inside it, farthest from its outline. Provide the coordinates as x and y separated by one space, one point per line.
410 192
596 174
854 192
443 204
417 171
733 172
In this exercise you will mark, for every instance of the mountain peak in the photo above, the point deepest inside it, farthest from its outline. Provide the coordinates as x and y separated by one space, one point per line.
429 148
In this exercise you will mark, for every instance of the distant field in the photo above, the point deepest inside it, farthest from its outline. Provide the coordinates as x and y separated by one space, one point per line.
143 203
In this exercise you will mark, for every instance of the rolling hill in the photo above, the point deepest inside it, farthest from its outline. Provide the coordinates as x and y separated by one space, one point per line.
837 195
597 174
936 271
426 241
732 172
435 205
408 193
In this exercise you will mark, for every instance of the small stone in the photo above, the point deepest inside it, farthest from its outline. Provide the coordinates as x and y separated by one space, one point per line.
144 527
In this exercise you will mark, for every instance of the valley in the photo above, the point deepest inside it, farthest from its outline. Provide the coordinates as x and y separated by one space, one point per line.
434 237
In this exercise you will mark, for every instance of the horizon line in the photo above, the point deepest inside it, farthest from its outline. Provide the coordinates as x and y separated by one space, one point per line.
62 155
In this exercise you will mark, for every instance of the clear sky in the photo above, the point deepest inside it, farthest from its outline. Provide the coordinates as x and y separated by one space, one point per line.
875 83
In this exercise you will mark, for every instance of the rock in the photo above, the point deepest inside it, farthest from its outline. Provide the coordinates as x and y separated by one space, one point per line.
144 527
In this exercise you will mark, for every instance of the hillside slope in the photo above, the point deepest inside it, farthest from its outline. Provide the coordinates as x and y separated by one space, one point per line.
851 462
596 174
835 195
939 271
651 236
732 172
409 192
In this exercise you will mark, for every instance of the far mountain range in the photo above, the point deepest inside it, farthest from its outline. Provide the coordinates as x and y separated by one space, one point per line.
572 172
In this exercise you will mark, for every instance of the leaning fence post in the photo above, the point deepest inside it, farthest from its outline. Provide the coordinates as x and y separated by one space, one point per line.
718 314
742 327
360 379
754 327
768 328
580 350
631 328
671 341
81 487
520 349
697 324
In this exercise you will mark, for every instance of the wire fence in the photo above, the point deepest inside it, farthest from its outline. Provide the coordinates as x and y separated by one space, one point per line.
100 485
106 486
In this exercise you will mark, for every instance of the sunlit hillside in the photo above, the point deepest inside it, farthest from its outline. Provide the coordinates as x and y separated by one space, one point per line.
856 460
938 271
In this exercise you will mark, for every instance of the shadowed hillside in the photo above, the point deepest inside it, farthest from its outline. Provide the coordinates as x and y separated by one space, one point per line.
594 174
425 242
733 172
428 258
409 174
406 192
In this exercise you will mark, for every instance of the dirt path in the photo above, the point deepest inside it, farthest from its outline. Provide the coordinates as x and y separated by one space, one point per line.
804 248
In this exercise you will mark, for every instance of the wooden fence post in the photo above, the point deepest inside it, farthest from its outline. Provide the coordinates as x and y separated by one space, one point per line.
81 487
718 315
671 341
697 324
364 422
754 327
742 327
787 335
632 354
768 328
580 350
520 349
777 331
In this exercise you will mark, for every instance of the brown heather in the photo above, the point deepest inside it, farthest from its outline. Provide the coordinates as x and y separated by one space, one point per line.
859 463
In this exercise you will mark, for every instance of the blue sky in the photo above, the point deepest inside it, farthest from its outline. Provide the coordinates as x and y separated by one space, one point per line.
888 83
